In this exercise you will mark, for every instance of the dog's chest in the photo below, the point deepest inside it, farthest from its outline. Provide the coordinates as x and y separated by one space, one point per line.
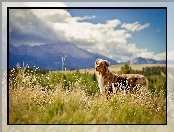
101 84
101 81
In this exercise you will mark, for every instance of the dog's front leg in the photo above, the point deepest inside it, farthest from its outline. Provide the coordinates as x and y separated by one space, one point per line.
108 91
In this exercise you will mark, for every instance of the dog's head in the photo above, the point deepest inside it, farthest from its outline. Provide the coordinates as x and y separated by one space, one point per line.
101 65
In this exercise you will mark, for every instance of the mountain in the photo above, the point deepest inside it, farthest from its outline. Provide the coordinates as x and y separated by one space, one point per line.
140 60
49 56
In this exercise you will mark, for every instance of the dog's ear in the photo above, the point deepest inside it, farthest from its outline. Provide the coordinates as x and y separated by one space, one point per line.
96 62
107 63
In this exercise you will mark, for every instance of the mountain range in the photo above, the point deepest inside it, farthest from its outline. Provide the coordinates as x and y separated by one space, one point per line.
140 60
49 56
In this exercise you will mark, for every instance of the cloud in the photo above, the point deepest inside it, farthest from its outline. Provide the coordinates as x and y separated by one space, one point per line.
85 18
52 15
83 32
136 26
160 56
4 20
39 26
145 53
113 23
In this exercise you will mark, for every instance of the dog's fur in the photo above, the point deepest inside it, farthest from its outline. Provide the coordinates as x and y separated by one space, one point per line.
110 83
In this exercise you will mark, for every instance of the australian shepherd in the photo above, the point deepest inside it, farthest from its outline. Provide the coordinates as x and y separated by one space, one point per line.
110 83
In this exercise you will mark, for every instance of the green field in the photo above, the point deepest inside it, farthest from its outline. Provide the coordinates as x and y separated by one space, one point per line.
39 97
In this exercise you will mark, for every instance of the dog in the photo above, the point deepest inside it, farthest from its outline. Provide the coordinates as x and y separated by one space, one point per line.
110 83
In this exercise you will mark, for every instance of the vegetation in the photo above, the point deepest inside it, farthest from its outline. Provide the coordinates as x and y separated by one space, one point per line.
42 97
156 77
126 69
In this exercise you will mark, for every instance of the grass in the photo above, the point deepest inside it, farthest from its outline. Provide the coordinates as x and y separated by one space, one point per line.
29 103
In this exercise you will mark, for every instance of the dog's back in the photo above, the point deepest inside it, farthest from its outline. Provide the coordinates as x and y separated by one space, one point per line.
130 82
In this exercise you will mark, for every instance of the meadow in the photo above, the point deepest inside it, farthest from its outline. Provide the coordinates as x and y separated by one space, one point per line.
42 97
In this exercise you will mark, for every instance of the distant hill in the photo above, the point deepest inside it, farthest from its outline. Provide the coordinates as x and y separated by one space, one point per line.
140 60
49 56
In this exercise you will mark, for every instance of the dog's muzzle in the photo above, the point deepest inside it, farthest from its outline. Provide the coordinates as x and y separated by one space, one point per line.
97 68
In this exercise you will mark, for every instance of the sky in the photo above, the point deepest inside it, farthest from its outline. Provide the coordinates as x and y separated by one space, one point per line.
120 34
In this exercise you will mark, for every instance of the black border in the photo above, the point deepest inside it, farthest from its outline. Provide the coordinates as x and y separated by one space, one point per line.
8 8
8 66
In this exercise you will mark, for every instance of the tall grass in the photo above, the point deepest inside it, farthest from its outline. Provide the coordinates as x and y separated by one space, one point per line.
38 99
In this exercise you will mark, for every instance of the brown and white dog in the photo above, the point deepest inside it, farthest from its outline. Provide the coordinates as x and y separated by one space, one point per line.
110 83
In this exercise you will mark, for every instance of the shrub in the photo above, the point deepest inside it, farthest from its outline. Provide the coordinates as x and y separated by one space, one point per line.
126 69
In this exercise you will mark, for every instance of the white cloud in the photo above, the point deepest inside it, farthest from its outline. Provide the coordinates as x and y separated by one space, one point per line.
133 51
113 23
151 55
52 15
136 26
83 32
84 18
145 53
160 56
